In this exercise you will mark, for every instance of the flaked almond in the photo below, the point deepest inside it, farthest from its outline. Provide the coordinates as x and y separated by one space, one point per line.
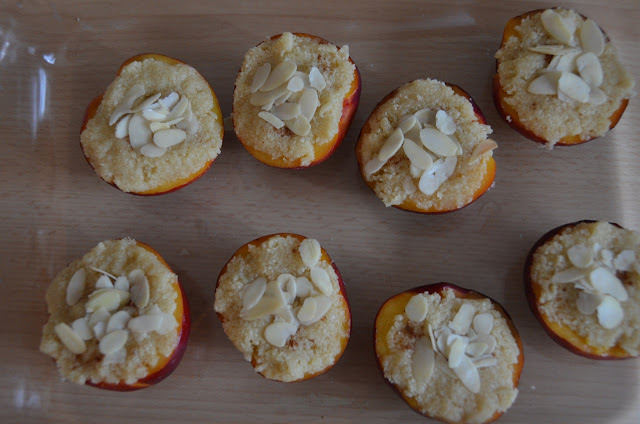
109 299
407 123
416 154
414 132
122 127
476 349
323 304
415 171
118 321
316 80
587 303
442 364
121 283
605 256
304 288
591 37
445 123
485 361
321 280
417 308
169 138
568 275
157 126
146 103
299 126
100 315
272 301
555 26
140 291
580 255
483 323
422 361
426 116
82 329
437 142
373 166
309 103
278 333
434 177
113 342
463 319
432 337
170 101
307 311
287 111
266 98
139 132
310 252
253 293
489 340
279 75
154 115
271 119
468 374
287 284
457 352
125 105
104 282
167 324
391 145
605 282
590 69
484 147
295 84
75 287
564 63
99 330
179 109
574 87
610 313
150 150
260 77
545 84
283 98
597 96
70 339
624 260
553 49
145 323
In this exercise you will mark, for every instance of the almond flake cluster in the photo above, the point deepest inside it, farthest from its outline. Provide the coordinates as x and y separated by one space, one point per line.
575 72
114 311
156 124
288 97
458 349
593 271
290 301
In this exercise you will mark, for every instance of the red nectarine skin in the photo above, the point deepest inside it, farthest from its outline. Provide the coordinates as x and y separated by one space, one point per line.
243 251
409 204
564 336
324 151
396 304
174 185
505 110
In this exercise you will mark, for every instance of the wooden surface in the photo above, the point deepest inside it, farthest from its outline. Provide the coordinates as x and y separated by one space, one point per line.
55 56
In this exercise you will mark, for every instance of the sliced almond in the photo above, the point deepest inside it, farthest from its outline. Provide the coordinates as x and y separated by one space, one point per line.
122 127
434 177
414 132
476 349
109 299
489 340
597 96
417 308
605 256
568 275
422 361
432 337
99 330
179 109
545 84
287 111
113 342
426 116
307 311
553 49
283 98
590 69
605 282
457 352
624 260
304 288
295 84
587 303
555 26
139 132
564 63
121 283
167 324
373 166
463 319
253 293
445 123
260 77
157 126
125 105
610 313
310 252
151 150
70 339
299 126
146 103
485 361
321 280
75 287
100 315
309 103
140 291
82 329
468 374
580 255
170 101
118 321
262 98
103 272
409 186
145 323
169 138
304 77
287 283
271 119
278 333
407 123
104 282
591 37
316 80
484 147
323 304
442 364
574 87
415 171
391 145
416 154
272 301
154 115
483 323
437 142
441 338
279 75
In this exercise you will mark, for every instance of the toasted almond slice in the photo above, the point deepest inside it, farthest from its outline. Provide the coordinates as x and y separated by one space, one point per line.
415 171
100 315
299 126
463 319
409 186
468 374
287 111
545 84
271 119
171 100
597 96
118 321
253 293
477 349
122 127
109 299
139 132
272 301
82 329
418 157
321 280
457 352
434 177
75 287
130 97
169 138
624 260
323 303
145 323
555 26
310 252
304 288
610 313
287 284
307 311
278 333
574 87
485 146
417 308
295 84
140 291
606 282
373 166
445 123
279 75
113 342
414 132
70 339
146 103
553 49
483 323
316 80
157 126
260 77
426 116
580 255
590 69
485 361
309 103
437 142
154 115
407 123
391 145
489 340
587 303
591 37
568 275
422 361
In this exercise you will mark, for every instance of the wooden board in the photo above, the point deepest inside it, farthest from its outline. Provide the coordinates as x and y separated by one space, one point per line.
56 56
